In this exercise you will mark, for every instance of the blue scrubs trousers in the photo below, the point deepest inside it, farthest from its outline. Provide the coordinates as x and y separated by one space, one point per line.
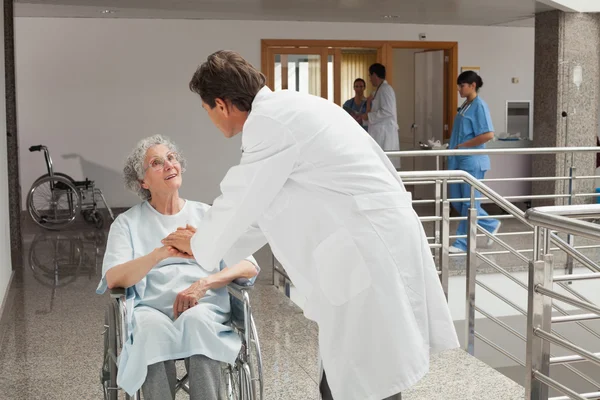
463 190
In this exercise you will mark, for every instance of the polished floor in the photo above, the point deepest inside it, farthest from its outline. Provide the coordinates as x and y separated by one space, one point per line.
51 333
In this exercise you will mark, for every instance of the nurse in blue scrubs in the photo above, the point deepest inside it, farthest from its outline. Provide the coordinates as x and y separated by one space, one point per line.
472 129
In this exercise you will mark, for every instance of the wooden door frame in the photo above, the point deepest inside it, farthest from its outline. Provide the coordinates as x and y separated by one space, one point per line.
385 55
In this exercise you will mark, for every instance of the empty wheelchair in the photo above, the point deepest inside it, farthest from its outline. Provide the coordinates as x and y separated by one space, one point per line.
242 380
55 198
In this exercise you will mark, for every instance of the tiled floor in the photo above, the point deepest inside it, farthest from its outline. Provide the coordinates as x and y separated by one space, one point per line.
51 336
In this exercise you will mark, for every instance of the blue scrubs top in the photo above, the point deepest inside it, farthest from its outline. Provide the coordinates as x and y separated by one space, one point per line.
472 120
350 105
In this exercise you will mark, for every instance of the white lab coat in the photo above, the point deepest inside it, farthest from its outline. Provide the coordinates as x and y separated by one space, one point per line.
383 120
315 186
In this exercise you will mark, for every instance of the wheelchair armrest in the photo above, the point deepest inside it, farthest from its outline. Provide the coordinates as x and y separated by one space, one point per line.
117 293
239 286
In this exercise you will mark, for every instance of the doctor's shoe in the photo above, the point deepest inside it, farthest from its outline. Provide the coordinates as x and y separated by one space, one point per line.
455 250
490 242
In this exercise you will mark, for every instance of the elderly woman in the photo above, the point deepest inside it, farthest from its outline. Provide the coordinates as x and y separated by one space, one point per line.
180 309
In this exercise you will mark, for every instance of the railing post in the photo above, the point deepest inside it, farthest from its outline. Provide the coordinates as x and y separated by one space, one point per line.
445 239
539 314
279 280
471 274
436 234
275 282
571 238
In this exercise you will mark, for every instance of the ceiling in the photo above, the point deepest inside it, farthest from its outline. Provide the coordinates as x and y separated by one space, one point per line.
439 12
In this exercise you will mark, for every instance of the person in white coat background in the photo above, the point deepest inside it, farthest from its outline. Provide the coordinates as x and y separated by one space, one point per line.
314 185
382 113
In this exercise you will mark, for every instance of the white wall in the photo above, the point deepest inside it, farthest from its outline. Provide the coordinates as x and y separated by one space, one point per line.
93 87
5 259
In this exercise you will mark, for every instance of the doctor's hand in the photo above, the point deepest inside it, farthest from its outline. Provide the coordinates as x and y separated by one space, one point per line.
165 252
189 297
181 240
188 227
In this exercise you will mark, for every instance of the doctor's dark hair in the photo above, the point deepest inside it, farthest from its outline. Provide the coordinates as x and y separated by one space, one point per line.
227 76
377 69
470 77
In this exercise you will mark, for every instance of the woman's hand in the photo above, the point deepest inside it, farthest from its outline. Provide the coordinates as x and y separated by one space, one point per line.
164 252
189 297
181 240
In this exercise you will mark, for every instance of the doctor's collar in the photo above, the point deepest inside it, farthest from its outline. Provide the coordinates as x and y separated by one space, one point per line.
264 91
259 95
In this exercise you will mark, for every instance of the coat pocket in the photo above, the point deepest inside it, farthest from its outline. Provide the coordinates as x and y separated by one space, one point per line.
342 271
279 204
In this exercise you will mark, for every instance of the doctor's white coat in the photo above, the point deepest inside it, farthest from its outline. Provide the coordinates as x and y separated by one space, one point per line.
383 118
315 186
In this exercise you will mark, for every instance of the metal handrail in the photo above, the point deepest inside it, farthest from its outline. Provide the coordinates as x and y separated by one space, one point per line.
468 178
440 244
562 218
525 151
539 336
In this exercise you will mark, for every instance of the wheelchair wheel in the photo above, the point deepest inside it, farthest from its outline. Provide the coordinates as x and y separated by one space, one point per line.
113 343
98 219
87 216
233 382
52 202
109 367
58 174
253 365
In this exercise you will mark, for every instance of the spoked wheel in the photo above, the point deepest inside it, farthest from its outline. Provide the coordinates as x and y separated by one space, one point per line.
244 380
253 365
108 375
112 346
232 379
52 202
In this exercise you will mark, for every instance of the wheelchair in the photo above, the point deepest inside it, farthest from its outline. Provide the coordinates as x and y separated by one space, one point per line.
55 198
242 381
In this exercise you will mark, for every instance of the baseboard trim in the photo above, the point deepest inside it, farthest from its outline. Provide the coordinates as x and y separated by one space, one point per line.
6 306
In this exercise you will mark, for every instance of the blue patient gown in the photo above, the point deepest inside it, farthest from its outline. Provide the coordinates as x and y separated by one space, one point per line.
155 335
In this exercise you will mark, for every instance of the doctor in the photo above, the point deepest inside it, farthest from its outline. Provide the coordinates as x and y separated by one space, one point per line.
382 113
315 186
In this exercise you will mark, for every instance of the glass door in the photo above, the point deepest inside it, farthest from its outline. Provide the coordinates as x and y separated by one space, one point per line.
305 70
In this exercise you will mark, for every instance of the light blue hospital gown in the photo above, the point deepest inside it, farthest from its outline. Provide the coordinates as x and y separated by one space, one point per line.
156 337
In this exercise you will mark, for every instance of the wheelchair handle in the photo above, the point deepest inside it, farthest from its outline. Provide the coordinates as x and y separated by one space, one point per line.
36 148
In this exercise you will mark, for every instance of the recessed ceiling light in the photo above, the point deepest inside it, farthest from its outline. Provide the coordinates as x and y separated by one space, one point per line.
108 11
390 17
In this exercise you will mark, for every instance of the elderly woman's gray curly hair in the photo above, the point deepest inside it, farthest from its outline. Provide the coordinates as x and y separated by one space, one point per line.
133 172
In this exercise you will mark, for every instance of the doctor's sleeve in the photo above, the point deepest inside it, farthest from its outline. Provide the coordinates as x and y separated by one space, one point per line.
227 231
248 243
387 104
482 120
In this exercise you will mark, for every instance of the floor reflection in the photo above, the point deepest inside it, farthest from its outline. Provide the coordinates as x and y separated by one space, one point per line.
52 346
57 259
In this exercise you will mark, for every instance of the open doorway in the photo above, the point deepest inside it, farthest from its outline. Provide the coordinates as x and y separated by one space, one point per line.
419 86
423 75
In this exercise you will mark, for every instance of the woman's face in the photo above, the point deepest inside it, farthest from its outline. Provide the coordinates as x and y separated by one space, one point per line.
359 88
466 89
162 170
